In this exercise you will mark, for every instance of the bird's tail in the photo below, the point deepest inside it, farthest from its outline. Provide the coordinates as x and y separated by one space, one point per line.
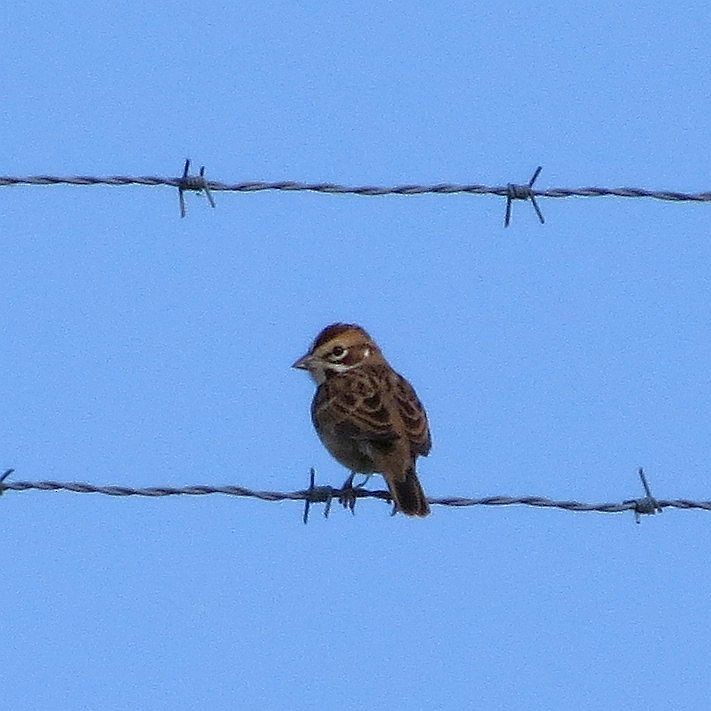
408 494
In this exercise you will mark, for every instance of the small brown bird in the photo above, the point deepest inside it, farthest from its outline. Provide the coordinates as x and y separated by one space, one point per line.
368 416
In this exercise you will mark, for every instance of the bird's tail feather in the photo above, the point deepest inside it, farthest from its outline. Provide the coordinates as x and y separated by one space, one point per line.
408 494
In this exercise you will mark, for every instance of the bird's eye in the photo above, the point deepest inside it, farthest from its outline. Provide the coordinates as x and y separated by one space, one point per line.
338 352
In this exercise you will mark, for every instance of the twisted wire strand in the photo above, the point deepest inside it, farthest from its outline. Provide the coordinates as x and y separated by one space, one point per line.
363 190
324 494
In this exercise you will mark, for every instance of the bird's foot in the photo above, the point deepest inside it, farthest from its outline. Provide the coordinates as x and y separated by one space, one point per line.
363 483
347 498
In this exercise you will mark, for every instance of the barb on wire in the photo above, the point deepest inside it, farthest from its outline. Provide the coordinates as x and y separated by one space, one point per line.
511 191
4 476
647 505
317 494
523 192
326 494
198 183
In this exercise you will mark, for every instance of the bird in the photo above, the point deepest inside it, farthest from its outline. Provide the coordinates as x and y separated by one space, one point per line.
366 414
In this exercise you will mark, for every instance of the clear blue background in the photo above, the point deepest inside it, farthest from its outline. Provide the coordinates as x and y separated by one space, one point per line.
141 349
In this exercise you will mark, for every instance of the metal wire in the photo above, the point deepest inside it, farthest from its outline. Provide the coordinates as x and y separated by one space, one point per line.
325 494
364 190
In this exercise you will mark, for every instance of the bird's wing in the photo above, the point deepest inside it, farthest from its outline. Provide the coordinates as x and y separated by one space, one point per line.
412 413
357 406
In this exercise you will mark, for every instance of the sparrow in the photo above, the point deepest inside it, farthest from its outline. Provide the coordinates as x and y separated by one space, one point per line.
368 416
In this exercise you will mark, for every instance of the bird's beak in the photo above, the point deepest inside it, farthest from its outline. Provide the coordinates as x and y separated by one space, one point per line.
304 363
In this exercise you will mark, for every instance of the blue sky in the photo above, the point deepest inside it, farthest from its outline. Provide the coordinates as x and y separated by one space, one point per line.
141 349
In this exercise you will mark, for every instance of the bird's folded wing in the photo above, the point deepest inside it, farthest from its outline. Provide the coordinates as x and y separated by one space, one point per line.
412 414
359 408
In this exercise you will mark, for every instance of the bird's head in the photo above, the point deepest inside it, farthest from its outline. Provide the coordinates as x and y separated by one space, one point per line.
339 348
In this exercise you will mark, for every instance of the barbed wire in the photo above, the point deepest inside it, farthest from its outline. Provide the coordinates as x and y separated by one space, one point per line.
511 191
348 496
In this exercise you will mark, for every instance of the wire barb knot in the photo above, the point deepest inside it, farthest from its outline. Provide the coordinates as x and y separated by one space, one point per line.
523 192
648 505
3 486
196 183
316 495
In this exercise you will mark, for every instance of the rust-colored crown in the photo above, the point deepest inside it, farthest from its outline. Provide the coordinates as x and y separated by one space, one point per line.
336 329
